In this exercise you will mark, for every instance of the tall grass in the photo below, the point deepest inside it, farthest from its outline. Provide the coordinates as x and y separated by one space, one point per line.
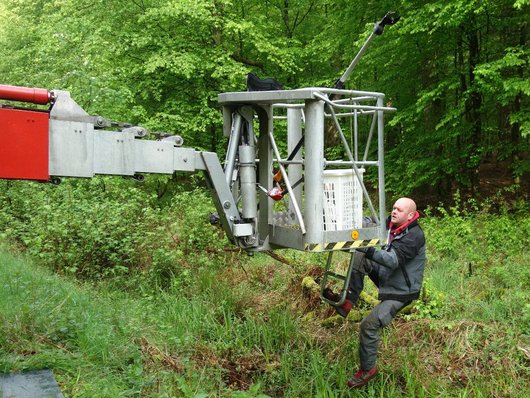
47 322
210 323
103 343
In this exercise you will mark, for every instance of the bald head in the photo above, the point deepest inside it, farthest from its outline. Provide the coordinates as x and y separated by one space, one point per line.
408 203
403 210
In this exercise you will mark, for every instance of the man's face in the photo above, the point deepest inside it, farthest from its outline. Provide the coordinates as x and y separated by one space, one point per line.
400 213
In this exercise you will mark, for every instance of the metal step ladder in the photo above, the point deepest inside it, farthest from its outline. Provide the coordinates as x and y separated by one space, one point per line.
329 273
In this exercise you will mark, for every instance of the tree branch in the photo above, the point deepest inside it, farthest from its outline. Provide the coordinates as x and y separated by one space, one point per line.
246 61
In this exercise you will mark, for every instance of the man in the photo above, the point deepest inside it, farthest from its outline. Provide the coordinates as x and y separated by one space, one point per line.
397 270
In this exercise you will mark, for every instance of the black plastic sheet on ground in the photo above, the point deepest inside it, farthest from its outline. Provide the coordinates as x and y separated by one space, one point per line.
31 384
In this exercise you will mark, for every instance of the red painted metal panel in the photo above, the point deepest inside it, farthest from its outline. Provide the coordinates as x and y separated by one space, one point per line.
23 144
25 94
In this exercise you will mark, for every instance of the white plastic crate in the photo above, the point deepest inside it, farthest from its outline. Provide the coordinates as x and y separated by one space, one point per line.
343 200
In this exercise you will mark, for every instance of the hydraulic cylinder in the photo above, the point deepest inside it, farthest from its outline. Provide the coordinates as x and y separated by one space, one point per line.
247 169
25 94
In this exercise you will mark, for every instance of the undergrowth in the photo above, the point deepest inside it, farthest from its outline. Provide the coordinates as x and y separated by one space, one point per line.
148 300
107 227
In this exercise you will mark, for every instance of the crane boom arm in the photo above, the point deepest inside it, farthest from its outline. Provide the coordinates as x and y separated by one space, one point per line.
65 141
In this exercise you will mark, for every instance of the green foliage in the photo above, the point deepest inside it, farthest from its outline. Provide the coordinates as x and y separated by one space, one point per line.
430 304
448 122
195 232
53 324
457 71
476 251
187 327
490 226
108 227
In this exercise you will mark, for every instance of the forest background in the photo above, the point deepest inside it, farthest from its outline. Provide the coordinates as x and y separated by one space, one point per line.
458 73
457 70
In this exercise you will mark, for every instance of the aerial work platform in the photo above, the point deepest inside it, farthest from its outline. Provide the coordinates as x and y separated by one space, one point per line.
326 205
293 176
285 183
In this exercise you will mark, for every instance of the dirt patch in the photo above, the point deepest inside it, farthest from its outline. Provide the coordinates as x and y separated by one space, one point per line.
154 357
238 370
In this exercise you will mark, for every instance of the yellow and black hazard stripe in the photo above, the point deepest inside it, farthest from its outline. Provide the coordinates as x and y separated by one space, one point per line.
317 247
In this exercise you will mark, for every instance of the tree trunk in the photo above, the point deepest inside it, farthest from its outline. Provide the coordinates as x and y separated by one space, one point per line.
474 107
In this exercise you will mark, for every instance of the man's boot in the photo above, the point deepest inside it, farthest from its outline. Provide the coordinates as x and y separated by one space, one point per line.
344 309
362 377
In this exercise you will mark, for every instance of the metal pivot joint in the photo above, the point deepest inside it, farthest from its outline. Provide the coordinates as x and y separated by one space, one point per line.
390 18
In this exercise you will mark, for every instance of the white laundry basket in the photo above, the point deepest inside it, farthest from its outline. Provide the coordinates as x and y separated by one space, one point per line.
343 200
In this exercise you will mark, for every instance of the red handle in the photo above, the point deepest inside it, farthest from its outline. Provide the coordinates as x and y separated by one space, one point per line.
25 94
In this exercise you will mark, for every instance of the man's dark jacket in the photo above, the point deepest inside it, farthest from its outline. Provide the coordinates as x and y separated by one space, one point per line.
402 263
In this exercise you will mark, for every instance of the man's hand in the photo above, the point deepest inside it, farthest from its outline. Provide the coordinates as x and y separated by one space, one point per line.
368 251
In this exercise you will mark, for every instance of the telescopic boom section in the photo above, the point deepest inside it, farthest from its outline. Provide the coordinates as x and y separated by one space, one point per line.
39 96
390 18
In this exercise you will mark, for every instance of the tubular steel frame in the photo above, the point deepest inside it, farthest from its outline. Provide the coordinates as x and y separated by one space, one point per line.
299 224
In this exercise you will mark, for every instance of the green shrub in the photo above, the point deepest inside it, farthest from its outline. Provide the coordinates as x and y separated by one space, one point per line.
476 232
107 226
